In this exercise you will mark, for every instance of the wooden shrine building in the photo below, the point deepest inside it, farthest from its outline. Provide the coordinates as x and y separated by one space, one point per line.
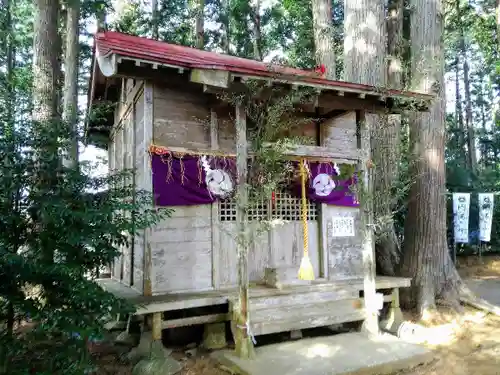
171 124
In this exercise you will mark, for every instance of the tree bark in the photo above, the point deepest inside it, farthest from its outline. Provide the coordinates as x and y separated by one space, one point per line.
9 44
459 118
365 49
154 21
257 37
225 25
45 62
385 145
481 100
10 133
70 91
364 62
323 40
200 24
426 258
471 140
101 19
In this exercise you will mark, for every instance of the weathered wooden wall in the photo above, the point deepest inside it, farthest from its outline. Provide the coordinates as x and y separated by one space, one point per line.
140 152
344 254
125 150
181 246
194 249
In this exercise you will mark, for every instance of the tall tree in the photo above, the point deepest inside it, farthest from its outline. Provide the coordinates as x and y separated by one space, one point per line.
459 117
426 258
70 90
45 62
471 141
323 36
200 24
154 19
385 148
255 8
46 75
8 132
364 62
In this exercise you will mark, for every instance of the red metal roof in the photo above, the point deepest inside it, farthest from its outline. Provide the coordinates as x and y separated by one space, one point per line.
110 42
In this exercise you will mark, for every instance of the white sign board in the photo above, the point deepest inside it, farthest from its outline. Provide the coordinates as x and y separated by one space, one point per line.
461 206
485 202
342 226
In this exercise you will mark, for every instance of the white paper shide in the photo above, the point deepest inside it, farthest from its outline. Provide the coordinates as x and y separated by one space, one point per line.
485 202
461 206
342 226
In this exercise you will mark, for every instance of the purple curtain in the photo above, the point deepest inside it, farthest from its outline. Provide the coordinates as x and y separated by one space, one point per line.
187 180
191 180
324 185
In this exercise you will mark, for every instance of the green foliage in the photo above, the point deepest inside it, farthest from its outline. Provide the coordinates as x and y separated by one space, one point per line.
475 23
271 113
58 227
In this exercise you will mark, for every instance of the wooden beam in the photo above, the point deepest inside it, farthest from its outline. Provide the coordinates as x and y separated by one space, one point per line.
329 101
243 341
147 184
215 223
299 151
194 320
215 78
320 152
330 98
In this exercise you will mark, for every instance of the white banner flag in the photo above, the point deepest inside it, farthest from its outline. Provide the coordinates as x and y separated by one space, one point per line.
485 202
461 205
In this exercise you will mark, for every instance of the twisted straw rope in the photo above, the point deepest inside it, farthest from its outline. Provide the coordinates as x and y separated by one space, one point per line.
304 206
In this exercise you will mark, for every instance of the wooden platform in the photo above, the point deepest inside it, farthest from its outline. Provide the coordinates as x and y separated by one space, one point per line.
178 301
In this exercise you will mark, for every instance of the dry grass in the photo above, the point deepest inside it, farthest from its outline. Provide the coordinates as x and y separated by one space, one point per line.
468 344
473 266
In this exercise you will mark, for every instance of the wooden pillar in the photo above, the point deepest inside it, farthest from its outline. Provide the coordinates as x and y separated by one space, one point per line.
147 183
243 340
123 164
156 326
214 145
363 138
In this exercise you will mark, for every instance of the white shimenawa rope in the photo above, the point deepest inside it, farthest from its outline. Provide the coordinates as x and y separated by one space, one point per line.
207 169
336 168
205 165
249 332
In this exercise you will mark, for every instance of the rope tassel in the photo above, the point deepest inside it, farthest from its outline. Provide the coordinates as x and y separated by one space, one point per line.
306 271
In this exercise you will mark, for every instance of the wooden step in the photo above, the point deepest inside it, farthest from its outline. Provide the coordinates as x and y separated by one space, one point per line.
300 299
288 312
292 317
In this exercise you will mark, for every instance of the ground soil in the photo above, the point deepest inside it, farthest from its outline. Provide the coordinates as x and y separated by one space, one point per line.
466 344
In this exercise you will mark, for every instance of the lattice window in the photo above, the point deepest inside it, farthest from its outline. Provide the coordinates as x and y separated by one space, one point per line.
257 211
285 207
288 207
227 210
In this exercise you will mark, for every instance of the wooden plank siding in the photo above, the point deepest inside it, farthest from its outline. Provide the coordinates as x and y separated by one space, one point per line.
343 255
129 113
193 250
181 246
139 152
